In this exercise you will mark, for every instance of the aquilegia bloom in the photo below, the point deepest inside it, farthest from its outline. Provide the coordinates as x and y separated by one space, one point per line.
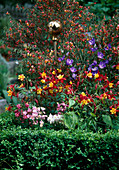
69 62
73 69
100 55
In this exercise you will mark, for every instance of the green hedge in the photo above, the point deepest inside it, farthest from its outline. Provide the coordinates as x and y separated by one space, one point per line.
38 149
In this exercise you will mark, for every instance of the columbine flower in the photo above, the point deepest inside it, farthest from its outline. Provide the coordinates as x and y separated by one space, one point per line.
84 102
21 77
50 84
69 62
39 91
90 75
117 66
96 75
111 85
113 111
60 76
9 92
102 64
43 74
100 55
92 41
73 69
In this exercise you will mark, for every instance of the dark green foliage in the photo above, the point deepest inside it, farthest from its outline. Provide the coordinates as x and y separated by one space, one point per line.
49 149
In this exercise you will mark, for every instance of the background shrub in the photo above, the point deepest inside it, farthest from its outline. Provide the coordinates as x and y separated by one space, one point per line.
38 149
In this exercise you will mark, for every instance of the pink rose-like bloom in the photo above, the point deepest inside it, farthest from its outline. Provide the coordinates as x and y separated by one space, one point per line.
18 106
17 114
24 116
29 110
26 104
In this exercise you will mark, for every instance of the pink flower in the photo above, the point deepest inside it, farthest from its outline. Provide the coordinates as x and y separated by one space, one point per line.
26 104
18 106
17 114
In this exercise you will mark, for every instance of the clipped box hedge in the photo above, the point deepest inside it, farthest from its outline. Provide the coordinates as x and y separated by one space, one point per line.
29 149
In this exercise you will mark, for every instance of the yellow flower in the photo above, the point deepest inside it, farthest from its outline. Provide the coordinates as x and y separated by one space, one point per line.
21 77
70 82
50 84
45 87
90 75
9 92
43 74
21 85
84 102
39 91
60 88
96 75
104 96
60 76
51 91
43 81
59 70
117 67
113 111
111 85
83 94
53 72
6 108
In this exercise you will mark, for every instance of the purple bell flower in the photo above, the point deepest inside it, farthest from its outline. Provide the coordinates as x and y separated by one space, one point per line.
100 55
69 62
73 69
102 64
92 41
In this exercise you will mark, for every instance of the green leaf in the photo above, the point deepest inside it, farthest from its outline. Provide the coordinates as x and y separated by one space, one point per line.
71 102
15 100
107 120
6 96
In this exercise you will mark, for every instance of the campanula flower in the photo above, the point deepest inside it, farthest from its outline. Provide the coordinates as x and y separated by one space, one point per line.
100 55
69 62
102 64
92 41
73 69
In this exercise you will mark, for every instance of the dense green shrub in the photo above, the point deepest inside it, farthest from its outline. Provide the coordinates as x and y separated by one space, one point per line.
49 149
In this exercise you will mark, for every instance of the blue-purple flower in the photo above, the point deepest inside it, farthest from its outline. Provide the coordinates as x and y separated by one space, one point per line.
108 47
61 58
102 64
92 41
100 55
73 69
93 49
94 70
74 75
69 62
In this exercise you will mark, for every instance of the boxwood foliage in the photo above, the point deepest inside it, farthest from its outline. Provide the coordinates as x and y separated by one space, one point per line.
29 149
